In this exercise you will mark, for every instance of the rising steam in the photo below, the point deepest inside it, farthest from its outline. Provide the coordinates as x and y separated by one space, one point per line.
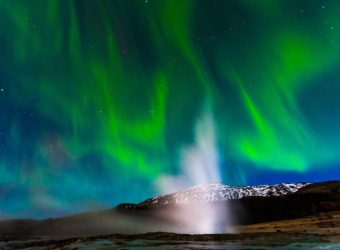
199 165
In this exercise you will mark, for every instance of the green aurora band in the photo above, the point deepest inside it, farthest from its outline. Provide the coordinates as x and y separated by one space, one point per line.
99 97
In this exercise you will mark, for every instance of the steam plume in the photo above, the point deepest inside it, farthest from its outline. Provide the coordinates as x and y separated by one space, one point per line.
199 165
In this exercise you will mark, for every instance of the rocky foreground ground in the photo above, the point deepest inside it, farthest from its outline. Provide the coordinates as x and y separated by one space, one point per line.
313 232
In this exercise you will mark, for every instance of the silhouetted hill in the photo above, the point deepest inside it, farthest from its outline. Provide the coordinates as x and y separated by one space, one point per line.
184 211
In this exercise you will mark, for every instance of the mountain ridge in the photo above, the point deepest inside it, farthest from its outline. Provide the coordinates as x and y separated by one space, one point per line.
220 192
298 201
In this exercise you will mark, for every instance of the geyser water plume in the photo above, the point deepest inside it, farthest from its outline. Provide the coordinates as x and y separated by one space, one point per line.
199 165
200 161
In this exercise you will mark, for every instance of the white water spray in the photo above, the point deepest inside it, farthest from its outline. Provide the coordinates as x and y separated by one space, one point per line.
199 165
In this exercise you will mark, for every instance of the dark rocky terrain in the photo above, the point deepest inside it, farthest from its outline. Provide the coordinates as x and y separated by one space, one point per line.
298 210
255 241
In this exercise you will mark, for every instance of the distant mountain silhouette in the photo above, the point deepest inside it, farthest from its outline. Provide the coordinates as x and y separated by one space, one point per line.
174 212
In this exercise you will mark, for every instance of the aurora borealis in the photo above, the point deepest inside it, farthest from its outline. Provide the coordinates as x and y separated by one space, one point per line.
99 99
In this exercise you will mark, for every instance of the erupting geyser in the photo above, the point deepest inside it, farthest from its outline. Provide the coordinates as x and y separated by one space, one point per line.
199 165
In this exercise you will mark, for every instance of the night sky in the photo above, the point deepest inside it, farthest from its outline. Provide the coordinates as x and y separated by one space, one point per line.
103 102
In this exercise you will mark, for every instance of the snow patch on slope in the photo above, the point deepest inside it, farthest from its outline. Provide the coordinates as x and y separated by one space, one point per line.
220 192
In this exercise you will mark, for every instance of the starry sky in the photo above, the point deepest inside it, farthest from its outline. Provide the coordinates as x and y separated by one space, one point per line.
109 101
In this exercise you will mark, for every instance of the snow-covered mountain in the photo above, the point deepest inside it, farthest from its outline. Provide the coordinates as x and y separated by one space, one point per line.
220 192
153 215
